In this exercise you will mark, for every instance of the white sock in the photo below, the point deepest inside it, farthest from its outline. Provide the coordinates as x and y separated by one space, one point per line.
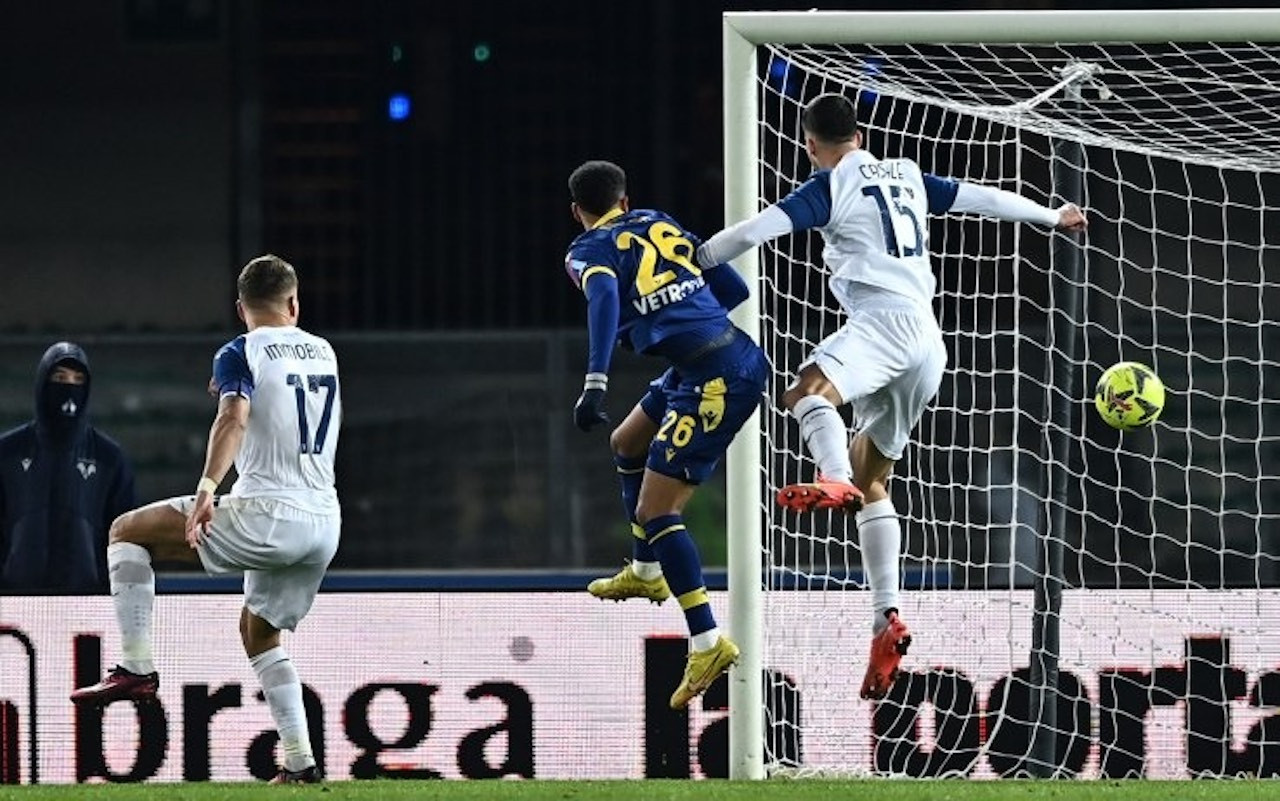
825 436
706 639
283 691
881 539
133 592
646 571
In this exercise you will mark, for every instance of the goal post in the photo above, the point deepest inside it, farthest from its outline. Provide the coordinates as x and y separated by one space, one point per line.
981 80
744 483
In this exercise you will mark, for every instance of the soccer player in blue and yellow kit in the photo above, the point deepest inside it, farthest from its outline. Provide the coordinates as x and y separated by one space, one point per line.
645 292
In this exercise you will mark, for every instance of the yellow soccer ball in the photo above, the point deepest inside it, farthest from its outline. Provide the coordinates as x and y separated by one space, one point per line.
1129 395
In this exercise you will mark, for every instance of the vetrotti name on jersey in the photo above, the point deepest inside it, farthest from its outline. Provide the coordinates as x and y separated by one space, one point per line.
668 294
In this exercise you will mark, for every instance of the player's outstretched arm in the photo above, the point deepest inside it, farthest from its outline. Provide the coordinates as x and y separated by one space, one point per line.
1071 218
1012 207
807 206
737 239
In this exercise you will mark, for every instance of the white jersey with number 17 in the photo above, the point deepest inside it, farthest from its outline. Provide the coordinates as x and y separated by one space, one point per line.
290 378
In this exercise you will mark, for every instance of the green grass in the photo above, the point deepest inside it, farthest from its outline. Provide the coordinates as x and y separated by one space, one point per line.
784 790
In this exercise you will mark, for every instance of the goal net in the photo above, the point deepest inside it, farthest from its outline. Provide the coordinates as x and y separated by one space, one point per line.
1165 542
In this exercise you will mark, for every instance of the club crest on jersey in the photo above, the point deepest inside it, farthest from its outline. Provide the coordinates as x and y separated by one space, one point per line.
26 465
87 467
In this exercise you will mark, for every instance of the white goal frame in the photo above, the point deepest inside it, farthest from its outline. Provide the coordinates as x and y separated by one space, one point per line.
742 32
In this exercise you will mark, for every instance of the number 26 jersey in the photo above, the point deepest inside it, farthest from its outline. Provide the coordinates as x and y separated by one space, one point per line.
662 292
290 378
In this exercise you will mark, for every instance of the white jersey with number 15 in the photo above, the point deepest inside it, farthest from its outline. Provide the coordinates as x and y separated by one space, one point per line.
873 217
290 378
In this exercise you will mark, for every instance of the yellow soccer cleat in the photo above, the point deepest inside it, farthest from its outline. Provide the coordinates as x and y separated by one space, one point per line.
703 668
626 584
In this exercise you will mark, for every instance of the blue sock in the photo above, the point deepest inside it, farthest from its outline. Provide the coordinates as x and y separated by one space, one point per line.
678 554
630 475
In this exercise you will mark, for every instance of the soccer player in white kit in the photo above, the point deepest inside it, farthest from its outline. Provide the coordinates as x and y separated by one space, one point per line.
887 359
279 411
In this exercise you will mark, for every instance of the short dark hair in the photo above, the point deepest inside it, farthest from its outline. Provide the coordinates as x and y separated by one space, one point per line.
830 118
266 280
597 186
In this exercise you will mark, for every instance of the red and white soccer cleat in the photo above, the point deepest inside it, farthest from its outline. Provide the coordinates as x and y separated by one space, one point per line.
118 684
821 493
887 649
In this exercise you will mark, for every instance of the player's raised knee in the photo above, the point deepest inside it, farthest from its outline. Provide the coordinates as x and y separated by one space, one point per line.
792 396
811 381
647 512
121 528
873 490
816 387
644 514
621 443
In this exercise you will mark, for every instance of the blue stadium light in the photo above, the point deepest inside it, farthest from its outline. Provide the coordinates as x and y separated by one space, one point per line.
784 77
867 95
398 107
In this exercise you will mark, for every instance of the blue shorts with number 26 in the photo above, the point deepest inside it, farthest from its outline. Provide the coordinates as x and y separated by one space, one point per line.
705 404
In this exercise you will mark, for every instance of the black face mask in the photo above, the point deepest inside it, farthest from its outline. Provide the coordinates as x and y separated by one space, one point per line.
64 403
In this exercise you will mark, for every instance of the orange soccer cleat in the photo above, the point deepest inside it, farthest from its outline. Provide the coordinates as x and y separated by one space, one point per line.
887 649
821 493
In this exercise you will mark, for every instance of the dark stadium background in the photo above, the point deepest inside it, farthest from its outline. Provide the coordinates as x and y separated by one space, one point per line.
150 147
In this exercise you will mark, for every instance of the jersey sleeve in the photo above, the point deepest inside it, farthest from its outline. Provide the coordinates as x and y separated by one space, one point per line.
231 373
809 205
602 322
592 270
771 223
941 193
1001 204
727 286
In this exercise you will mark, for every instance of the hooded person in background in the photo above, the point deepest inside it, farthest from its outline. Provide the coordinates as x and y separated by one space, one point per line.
62 483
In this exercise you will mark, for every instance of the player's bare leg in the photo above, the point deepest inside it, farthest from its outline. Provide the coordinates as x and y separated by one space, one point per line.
155 532
662 502
642 576
880 537
283 691
812 400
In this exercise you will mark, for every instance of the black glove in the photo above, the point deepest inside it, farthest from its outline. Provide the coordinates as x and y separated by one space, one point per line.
589 411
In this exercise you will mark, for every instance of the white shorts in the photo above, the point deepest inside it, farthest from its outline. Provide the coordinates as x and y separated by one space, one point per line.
282 551
887 365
